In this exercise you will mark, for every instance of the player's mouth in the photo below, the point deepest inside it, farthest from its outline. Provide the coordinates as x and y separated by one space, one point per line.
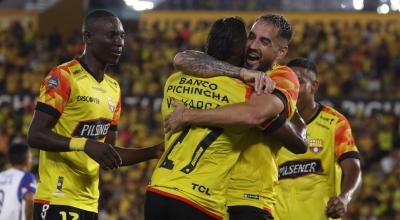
116 53
252 57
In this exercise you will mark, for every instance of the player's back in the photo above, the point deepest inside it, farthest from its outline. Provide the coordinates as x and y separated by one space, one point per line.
307 181
11 201
197 160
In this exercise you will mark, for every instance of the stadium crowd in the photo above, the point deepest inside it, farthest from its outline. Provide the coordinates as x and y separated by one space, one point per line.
354 61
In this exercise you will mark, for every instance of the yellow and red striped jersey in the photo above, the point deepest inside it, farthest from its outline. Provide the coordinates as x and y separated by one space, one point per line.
86 108
307 181
255 174
196 163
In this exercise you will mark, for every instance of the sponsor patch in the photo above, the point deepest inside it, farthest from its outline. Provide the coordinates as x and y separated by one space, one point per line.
250 196
93 129
298 168
52 82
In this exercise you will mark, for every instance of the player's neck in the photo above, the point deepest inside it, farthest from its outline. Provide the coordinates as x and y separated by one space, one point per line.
95 68
309 112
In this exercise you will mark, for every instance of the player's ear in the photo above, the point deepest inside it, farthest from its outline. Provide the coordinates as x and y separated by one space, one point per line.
87 37
314 86
282 52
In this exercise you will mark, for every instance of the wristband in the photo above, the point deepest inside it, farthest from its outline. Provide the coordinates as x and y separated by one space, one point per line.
77 144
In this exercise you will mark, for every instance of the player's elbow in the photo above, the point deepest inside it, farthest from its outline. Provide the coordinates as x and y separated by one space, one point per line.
255 118
301 147
33 138
179 60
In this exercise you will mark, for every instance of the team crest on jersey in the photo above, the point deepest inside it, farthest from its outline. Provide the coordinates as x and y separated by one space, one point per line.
52 82
315 145
111 104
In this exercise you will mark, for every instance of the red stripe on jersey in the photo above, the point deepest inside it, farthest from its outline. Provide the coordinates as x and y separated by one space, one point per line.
191 203
249 90
268 210
38 201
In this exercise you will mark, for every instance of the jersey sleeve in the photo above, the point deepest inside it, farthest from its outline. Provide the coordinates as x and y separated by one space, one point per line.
287 85
117 114
55 90
27 184
344 142
287 90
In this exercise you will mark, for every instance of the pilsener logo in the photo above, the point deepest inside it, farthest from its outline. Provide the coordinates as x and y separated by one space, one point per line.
93 129
298 168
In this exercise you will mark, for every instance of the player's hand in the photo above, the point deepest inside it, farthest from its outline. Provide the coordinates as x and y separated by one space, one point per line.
104 154
336 207
174 122
259 80
159 150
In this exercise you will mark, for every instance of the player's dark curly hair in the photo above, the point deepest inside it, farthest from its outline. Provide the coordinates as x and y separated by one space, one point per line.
18 154
279 21
304 63
226 38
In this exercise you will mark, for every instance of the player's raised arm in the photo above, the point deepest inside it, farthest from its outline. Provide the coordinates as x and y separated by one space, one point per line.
199 64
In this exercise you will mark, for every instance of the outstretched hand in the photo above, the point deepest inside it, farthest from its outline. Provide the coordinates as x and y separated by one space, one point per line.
174 122
104 154
261 82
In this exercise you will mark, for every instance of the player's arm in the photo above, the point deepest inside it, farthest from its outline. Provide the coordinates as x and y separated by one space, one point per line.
348 158
292 133
251 113
351 169
29 196
41 136
199 64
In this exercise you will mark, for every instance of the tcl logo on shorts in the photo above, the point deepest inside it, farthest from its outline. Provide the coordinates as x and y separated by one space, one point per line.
90 99
298 168
93 129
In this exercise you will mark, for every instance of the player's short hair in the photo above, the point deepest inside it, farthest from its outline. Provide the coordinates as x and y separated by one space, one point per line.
280 22
225 36
94 16
304 63
18 153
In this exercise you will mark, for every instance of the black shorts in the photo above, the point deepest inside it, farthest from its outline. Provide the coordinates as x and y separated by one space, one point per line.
158 207
61 212
247 213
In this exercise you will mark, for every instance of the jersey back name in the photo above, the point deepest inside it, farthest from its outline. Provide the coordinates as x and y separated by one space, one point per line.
197 160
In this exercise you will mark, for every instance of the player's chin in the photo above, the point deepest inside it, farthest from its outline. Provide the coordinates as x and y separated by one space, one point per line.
252 64
113 61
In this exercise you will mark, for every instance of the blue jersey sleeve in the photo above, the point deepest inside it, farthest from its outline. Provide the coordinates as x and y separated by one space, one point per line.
27 184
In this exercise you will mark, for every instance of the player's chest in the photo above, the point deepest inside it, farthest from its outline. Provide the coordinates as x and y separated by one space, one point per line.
92 98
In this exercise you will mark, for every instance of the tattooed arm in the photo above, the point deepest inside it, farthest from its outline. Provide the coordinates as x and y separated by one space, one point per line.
199 64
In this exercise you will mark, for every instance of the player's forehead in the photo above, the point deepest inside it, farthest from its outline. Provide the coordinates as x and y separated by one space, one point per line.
107 24
303 73
266 29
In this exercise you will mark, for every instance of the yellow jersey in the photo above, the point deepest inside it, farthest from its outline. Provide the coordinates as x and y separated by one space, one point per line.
197 160
307 181
255 174
86 108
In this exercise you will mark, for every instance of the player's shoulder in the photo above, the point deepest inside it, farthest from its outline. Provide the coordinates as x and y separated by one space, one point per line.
113 82
328 110
65 68
283 72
